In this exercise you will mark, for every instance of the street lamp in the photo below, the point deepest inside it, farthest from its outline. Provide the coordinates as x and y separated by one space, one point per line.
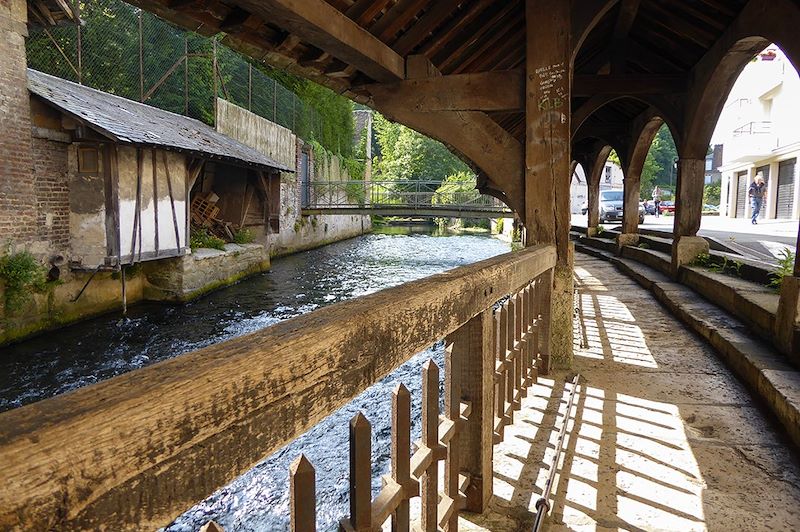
673 172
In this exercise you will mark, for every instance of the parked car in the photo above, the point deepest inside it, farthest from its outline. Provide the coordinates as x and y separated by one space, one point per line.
649 208
710 209
667 206
611 206
585 207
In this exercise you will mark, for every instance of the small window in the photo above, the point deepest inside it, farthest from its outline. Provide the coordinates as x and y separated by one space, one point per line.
88 160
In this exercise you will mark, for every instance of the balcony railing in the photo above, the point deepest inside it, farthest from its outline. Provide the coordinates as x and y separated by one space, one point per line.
133 452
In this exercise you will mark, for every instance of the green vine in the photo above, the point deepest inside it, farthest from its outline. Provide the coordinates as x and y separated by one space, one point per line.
23 275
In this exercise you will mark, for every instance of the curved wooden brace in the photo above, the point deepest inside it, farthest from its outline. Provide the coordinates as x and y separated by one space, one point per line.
668 110
586 15
478 138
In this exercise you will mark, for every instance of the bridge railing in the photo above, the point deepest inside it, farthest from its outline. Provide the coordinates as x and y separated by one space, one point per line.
412 194
135 451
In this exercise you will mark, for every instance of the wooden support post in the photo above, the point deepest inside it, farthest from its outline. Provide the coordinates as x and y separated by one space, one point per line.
454 363
686 245
508 362
630 215
536 287
430 438
518 347
303 495
360 477
547 156
543 302
473 345
401 447
527 331
499 376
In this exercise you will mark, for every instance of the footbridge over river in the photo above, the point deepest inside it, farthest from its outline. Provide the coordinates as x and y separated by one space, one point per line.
422 199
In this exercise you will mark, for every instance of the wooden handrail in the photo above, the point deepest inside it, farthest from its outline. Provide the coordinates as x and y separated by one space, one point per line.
134 451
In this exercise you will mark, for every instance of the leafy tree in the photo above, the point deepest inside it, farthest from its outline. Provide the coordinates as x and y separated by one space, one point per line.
712 193
663 153
406 155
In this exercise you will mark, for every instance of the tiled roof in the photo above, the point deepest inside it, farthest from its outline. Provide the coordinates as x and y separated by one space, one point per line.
132 122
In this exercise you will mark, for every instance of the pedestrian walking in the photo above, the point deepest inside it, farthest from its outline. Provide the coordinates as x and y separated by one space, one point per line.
758 190
657 200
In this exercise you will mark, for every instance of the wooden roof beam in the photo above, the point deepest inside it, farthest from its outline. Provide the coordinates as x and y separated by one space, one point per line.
628 84
485 91
320 24
425 25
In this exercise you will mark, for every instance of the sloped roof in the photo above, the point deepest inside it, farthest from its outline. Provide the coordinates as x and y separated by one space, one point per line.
130 122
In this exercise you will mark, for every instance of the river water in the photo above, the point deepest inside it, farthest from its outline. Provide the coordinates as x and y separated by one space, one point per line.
258 501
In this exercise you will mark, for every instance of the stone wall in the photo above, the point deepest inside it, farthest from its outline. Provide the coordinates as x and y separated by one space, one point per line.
297 232
17 194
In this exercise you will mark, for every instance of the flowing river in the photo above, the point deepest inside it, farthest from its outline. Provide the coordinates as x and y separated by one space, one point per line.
258 500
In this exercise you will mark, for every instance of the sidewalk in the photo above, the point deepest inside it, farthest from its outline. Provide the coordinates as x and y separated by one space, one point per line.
663 436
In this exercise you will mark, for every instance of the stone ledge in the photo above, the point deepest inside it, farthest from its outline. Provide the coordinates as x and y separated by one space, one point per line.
767 373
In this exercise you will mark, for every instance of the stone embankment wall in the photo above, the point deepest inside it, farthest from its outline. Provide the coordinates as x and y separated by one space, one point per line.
297 232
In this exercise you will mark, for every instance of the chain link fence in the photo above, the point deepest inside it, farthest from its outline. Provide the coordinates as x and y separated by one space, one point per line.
129 52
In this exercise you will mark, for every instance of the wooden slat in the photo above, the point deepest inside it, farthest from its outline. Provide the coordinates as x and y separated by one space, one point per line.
446 509
137 438
302 489
360 476
430 438
452 407
438 11
388 501
401 463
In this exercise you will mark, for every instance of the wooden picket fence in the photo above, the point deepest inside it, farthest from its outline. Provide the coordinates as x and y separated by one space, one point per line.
137 439
517 326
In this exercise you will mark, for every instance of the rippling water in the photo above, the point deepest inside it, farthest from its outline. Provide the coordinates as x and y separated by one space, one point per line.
104 347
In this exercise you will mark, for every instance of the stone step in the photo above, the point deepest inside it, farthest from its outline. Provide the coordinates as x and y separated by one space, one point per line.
767 373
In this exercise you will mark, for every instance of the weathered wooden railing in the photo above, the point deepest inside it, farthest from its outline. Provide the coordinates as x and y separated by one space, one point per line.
136 450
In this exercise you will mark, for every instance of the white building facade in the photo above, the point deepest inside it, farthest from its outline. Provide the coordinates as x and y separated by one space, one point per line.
611 178
760 130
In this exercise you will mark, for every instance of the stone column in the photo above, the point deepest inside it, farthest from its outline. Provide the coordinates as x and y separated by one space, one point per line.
17 195
686 245
547 156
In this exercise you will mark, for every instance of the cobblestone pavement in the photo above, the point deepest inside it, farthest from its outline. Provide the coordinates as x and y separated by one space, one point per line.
663 436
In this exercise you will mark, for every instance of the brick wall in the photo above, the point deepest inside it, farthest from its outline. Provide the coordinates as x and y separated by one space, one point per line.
17 194
50 162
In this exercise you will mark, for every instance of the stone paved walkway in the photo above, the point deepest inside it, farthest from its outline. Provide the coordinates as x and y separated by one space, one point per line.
663 436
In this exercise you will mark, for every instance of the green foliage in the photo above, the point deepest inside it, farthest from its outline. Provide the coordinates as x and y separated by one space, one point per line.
243 236
600 229
23 274
201 239
456 188
727 266
663 153
500 225
712 193
703 260
643 245
406 155
785 268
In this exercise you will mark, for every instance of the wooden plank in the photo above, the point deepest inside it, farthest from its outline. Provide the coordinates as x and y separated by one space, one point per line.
452 408
434 16
320 24
484 91
137 438
499 357
302 489
360 476
401 447
387 502
472 343
430 438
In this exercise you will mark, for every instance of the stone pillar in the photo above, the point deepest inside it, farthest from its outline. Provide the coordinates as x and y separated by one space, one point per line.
686 245
547 156
630 215
17 195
